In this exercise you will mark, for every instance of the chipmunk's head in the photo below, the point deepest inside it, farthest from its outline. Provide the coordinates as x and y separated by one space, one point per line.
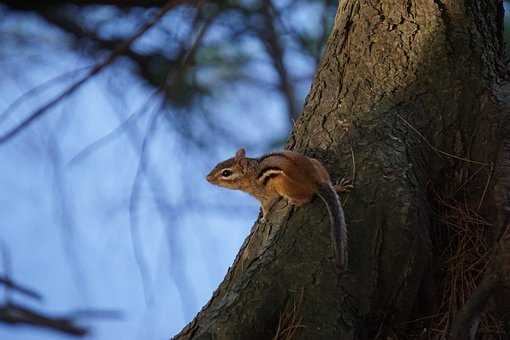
232 173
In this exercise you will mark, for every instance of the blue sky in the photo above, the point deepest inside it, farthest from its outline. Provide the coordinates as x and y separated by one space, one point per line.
66 224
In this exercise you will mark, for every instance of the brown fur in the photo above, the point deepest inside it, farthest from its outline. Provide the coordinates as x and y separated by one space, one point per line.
300 179
290 175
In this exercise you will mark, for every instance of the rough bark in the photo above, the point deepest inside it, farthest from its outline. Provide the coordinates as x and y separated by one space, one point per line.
406 98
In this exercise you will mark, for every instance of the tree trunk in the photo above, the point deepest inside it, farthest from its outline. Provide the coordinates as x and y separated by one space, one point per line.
407 99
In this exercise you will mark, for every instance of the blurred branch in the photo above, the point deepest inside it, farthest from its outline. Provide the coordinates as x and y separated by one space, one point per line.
145 62
121 128
8 283
270 38
13 313
311 47
129 127
133 200
90 74
40 88
143 159
169 79
63 207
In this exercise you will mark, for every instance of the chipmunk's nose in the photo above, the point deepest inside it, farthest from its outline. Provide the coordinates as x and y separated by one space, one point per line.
209 178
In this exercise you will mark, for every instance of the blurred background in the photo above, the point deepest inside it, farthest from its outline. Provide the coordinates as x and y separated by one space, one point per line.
107 226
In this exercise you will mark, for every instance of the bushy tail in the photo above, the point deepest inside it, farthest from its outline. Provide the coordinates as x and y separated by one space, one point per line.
338 228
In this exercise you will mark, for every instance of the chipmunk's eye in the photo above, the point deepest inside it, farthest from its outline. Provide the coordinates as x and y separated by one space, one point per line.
226 173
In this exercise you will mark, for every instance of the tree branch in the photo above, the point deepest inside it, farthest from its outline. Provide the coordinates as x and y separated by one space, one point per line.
92 73
8 283
270 38
145 62
16 314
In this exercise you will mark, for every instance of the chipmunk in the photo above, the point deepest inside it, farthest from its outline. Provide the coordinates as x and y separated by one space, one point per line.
290 175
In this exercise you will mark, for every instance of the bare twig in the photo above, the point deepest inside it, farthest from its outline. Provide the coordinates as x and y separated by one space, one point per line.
13 313
439 151
290 320
6 264
131 119
8 283
133 220
270 39
39 88
487 182
16 314
63 208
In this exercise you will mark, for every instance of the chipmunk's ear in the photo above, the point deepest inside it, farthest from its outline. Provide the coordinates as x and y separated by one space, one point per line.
240 154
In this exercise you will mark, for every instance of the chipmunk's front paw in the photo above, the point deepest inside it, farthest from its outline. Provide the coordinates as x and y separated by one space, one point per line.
344 185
